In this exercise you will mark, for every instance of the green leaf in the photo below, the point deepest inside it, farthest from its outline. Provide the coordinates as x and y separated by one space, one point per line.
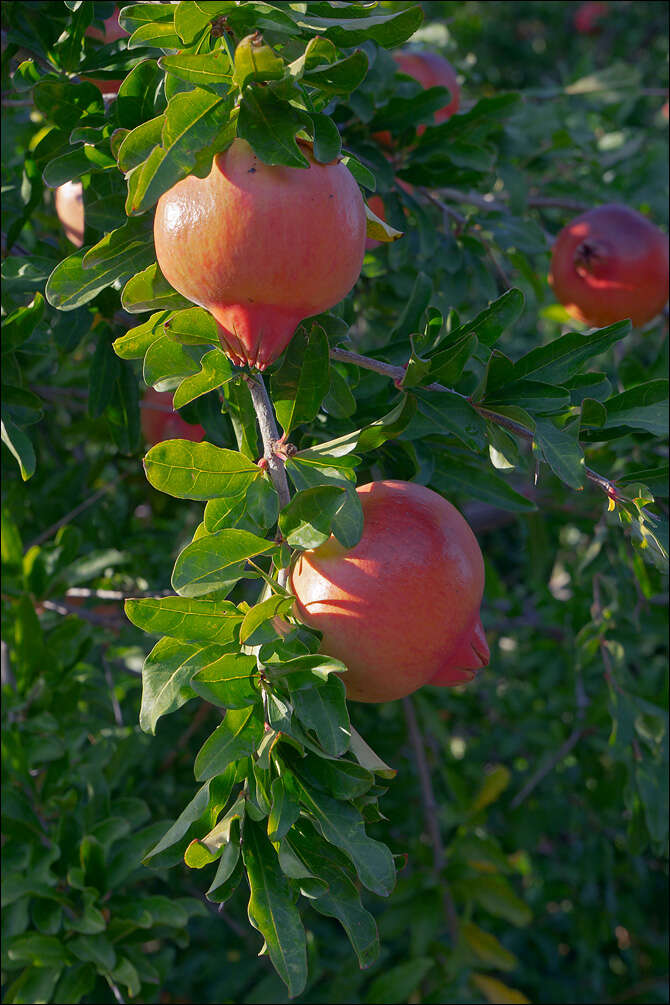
97 950
21 323
302 382
490 323
70 285
215 370
166 677
216 561
209 621
285 809
466 476
45 950
399 983
272 911
18 443
197 126
238 736
446 366
443 412
343 826
310 855
566 356
228 681
275 606
203 851
321 707
410 319
199 471
561 451
307 520
269 125
254 510
136 341
644 407
149 290
370 437
211 70
387 29
256 61
165 360
196 819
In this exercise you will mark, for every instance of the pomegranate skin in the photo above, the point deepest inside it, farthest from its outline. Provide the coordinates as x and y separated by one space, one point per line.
611 263
112 33
401 608
160 421
430 70
588 16
261 247
69 204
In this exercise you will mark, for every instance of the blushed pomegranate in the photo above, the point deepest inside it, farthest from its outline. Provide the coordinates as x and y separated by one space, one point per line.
611 263
260 247
401 608
161 422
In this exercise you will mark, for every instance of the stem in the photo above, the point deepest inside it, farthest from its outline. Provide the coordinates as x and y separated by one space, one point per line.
46 534
270 436
430 815
396 373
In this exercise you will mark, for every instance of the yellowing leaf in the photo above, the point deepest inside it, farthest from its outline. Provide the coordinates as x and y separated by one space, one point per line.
494 784
496 992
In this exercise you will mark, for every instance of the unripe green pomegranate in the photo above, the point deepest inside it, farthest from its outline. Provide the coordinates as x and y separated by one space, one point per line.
261 247
401 608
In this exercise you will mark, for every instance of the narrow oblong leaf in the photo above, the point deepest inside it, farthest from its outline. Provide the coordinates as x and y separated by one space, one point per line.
272 911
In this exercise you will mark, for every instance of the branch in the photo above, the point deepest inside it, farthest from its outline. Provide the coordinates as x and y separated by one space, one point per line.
396 373
430 815
270 436
46 534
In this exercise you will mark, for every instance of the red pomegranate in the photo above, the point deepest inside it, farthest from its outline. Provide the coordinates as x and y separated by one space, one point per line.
161 422
430 70
401 608
588 17
611 263
261 247
112 33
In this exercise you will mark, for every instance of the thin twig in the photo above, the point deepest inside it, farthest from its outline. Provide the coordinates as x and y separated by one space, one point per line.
46 534
430 816
58 607
116 708
397 373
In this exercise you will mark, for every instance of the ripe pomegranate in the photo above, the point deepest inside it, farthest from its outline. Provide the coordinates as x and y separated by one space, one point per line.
161 422
112 33
611 263
261 247
587 17
430 70
69 204
401 608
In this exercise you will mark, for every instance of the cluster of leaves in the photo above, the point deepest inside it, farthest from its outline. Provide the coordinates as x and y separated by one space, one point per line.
288 784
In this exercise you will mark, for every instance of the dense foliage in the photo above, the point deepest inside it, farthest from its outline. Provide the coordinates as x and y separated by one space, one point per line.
524 814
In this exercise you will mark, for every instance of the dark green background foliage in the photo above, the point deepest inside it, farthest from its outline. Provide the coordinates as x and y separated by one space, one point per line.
533 866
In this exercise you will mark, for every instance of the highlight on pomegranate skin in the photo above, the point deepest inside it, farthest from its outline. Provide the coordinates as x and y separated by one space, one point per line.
401 608
261 247
609 264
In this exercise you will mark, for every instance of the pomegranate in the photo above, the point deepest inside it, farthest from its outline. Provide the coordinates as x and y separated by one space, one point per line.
69 204
611 263
430 70
401 608
112 33
161 422
588 16
261 247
